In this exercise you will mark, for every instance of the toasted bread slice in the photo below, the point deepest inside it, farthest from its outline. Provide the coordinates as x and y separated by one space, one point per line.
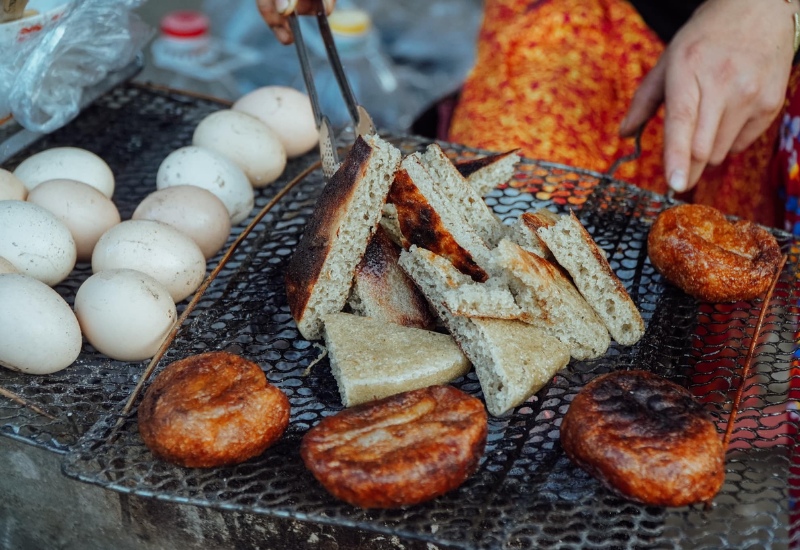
463 296
371 359
576 251
427 219
390 224
524 231
461 194
486 173
550 299
513 360
321 269
383 291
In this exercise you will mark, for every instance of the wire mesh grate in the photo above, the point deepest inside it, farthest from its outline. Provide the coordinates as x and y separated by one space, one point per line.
526 494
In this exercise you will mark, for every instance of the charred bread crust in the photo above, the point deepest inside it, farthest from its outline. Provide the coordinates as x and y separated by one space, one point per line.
646 438
212 409
421 225
468 167
400 450
306 264
699 250
383 289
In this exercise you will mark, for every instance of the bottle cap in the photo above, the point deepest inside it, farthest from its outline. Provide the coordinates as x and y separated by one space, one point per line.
185 24
350 21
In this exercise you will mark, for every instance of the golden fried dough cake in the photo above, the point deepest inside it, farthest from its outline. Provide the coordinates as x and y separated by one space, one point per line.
398 451
646 438
212 409
699 250
345 216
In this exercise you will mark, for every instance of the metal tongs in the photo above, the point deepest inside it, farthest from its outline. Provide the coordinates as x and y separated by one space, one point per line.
362 122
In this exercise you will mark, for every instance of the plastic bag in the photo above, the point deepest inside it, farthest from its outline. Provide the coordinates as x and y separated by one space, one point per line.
43 79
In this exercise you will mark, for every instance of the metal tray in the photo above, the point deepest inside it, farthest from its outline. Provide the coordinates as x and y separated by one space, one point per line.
526 494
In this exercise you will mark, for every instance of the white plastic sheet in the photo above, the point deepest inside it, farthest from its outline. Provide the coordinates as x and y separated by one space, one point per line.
43 77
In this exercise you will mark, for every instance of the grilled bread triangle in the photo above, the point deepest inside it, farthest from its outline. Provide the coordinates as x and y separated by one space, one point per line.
513 360
462 196
463 296
552 302
576 251
321 269
383 291
427 219
371 359
524 231
486 173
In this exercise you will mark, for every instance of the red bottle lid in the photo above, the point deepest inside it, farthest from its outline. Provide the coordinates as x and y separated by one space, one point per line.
185 24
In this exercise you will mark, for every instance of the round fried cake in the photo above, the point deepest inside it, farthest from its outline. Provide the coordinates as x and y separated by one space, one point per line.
400 450
699 250
646 438
212 409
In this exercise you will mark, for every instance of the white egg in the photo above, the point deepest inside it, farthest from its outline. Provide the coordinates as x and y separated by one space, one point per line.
288 112
7 267
154 248
67 163
213 172
11 187
245 140
125 314
35 242
193 211
85 211
39 333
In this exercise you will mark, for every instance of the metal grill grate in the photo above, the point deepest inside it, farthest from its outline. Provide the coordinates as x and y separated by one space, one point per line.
526 494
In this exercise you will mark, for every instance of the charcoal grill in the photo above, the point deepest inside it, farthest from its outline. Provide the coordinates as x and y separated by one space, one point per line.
526 494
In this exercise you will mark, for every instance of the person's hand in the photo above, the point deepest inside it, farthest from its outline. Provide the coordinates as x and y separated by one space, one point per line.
723 80
275 14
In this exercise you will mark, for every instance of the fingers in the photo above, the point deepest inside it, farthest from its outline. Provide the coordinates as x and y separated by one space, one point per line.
272 13
309 7
757 125
733 124
275 12
648 98
707 127
750 132
682 101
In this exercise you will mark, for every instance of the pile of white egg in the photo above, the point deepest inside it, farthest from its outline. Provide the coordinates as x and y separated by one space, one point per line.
56 210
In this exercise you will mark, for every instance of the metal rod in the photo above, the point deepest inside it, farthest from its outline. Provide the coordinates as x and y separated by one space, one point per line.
336 64
637 151
305 67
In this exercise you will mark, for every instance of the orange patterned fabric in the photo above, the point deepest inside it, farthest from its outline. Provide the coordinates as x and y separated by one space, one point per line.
555 78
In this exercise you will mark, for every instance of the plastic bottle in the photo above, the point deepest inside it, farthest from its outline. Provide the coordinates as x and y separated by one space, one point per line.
186 57
370 72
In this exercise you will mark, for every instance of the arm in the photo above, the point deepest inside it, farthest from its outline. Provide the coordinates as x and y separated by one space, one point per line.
275 12
723 81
